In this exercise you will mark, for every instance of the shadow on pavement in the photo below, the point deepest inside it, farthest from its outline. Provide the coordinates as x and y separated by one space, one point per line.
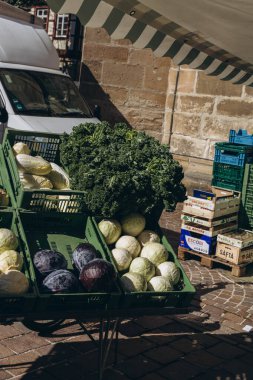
171 350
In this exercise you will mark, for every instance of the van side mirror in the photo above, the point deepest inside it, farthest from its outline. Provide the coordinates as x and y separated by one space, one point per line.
3 115
97 111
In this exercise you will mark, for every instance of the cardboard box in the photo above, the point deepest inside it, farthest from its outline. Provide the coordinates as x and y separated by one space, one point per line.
234 254
240 239
197 242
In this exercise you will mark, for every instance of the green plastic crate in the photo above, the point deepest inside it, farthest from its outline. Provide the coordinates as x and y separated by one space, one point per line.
4 181
24 303
47 146
63 232
178 298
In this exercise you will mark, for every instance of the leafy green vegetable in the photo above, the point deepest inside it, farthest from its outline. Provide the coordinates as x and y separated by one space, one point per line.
121 170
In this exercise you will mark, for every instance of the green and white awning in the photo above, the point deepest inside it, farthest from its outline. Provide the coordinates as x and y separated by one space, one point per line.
211 35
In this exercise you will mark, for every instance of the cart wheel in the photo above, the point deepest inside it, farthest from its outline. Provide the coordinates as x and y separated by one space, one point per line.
42 326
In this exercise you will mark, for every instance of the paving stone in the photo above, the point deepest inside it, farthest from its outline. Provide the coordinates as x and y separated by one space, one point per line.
131 328
203 359
56 353
226 351
179 370
36 375
22 363
137 366
75 369
206 340
159 337
8 331
4 375
217 374
25 342
151 376
153 322
131 347
5 351
163 354
239 368
186 345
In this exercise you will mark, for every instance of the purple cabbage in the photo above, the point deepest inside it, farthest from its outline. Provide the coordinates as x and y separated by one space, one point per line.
47 261
83 254
61 281
98 276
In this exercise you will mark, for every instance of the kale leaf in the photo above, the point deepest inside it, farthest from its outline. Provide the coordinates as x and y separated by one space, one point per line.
121 170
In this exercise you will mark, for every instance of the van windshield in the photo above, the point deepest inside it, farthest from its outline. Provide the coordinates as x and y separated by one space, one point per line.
43 94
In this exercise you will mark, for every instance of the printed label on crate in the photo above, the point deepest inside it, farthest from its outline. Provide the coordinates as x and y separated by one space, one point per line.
211 231
200 243
203 194
240 239
210 222
234 254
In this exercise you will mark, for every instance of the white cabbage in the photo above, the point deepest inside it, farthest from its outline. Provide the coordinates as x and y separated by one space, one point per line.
148 236
122 258
129 243
133 224
10 260
20 147
142 266
7 240
13 282
110 229
133 282
169 270
155 252
159 284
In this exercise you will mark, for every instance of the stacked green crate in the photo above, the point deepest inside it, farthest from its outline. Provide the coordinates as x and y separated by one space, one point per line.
246 207
229 164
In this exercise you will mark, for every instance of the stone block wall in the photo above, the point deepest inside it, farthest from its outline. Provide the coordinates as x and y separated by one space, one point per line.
181 107
129 85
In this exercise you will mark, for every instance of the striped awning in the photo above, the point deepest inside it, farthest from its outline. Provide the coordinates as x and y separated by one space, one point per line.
211 35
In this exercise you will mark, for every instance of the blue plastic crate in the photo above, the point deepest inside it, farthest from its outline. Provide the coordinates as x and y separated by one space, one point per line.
232 154
240 137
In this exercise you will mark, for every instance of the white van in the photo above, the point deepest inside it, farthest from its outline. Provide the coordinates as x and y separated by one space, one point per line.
34 94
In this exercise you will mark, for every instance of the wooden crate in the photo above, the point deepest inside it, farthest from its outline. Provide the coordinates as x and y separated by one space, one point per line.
210 231
209 261
209 222
223 203
240 239
234 254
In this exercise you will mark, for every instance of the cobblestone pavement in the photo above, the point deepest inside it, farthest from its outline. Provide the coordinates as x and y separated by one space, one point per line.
212 342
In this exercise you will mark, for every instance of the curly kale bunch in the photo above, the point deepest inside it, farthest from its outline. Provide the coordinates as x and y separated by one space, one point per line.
121 170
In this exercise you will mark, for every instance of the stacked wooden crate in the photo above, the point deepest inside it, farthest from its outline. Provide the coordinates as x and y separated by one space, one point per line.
236 247
205 215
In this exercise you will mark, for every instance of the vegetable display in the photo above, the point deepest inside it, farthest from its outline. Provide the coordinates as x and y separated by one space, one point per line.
118 167
142 259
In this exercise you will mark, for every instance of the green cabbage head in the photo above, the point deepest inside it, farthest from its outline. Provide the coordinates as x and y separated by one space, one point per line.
10 260
142 266
110 229
13 282
7 240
